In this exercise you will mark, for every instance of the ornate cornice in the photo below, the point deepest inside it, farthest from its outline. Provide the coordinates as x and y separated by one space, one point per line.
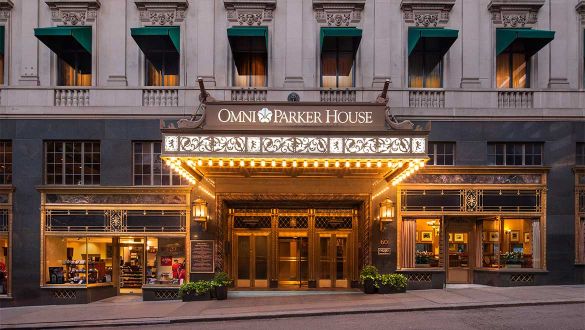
249 12
161 12
426 13
73 12
581 10
339 12
515 13
5 8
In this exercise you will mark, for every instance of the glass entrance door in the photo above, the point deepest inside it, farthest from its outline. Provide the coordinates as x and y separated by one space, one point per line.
131 264
333 261
251 252
293 261
460 248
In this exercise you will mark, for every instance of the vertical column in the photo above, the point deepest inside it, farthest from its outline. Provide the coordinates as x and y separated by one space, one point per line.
206 40
113 42
381 43
293 75
29 50
559 22
470 44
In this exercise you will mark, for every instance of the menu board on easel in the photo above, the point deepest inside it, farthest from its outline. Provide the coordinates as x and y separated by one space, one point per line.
202 256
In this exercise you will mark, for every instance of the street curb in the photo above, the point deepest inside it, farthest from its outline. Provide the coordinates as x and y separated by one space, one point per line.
274 315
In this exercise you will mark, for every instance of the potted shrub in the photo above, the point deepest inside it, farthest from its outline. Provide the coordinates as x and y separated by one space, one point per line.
397 283
368 277
383 284
220 282
423 259
512 259
195 291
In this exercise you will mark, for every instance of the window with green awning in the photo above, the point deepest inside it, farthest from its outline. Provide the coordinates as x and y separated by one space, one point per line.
339 46
161 47
426 49
249 45
2 36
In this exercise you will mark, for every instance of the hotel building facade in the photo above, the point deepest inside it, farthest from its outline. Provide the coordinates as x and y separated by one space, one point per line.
289 144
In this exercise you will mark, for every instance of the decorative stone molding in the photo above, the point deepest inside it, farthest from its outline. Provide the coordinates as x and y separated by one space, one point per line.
249 12
581 10
5 8
73 12
426 13
161 12
338 12
515 13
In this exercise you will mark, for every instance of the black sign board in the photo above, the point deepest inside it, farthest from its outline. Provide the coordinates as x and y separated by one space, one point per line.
384 251
202 256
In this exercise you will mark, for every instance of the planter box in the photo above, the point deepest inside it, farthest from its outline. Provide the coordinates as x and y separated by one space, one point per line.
197 297
221 292
369 287
386 289
513 266
422 265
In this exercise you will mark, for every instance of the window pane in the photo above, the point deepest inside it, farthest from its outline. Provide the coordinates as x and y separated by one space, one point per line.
329 69
503 71
519 70
427 242
433 70
415 70
490 243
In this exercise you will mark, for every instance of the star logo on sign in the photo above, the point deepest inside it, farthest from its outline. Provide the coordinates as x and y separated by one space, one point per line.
264 115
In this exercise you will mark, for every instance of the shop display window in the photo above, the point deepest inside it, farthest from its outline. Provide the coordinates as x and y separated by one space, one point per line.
511 243
4 252
78 260
165 260
427 242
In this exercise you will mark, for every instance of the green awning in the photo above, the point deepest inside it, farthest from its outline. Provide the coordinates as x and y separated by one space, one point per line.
2 32
526 40
437 40
248 39
340 39
157 38
70 43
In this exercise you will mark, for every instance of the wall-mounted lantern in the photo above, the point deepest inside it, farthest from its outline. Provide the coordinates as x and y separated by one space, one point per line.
200 212
386 212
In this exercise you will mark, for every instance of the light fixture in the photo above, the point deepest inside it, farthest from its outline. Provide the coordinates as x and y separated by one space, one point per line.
200 212
386 212
434 224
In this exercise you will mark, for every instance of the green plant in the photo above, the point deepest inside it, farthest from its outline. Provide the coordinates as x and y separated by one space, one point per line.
511 258
198 287
423 257
369 273
221 279
397 281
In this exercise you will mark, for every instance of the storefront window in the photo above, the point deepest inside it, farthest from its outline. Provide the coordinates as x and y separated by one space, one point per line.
165 260
511 243
78 260
490 243
427 242
512 70
4 252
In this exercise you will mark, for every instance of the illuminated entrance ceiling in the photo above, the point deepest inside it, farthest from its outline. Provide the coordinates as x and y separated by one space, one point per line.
293 140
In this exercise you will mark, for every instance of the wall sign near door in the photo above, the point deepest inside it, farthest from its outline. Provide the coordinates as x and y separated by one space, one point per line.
202 256
384 251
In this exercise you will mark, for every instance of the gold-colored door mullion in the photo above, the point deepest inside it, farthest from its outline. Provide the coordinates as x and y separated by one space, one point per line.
252 264
232 270
333 260
353 258
311 236
273 243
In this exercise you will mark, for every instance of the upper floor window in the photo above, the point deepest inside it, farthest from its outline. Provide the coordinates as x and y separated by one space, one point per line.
338 51
73 47
149 169
5 162
2 51
441 153
161 48
580 154
515 153
512 70
426 49
250 54
72 162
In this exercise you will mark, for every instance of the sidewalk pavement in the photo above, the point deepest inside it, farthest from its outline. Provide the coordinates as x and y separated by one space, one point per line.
130 310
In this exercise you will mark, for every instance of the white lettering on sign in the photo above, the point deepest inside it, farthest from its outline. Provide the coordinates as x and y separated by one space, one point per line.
277 116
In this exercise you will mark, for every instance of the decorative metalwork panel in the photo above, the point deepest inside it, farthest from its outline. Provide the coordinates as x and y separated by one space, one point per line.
252 211
3 220
471 200
334 212
65 294
3 198
475 179
522 278
166 294
286 145
582 179
114 221
293 222
328 222
115 199
419 277
251 222
581 197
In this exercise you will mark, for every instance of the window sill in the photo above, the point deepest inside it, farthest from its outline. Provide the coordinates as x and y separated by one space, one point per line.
6 297
422 270
511 270
76 286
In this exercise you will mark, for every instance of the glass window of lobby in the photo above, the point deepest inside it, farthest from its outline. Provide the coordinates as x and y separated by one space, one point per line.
249 47
161 49
73 47
339 47
426 49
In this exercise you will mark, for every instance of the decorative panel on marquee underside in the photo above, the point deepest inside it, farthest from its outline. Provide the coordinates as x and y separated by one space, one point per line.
286 146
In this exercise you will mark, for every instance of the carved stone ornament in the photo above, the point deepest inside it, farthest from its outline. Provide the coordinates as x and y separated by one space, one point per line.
515 13
426 13
338 13
73 12
249 12
5 8
161 12
581 10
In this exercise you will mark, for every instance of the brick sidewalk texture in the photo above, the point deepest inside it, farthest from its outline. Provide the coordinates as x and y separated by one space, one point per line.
249 305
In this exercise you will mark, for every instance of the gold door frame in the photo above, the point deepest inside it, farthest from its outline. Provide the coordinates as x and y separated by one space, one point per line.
9 191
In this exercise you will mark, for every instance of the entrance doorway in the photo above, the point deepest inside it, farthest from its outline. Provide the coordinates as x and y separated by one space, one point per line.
460 245
293 261
333 261
252 260
132 256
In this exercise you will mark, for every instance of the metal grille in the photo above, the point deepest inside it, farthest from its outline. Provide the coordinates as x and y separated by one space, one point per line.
419 277
293 222
166 294
329 222
252 222
581 201
65 294
3 220
252 211
522 278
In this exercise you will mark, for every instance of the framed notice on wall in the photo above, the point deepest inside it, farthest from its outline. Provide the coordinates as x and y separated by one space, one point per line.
202 256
